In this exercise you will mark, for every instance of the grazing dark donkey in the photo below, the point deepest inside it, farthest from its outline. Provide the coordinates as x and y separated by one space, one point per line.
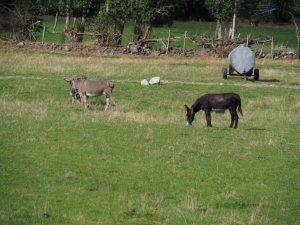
216 103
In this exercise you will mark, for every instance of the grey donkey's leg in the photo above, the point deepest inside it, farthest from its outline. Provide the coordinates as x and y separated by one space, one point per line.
84 100
107 103
109 98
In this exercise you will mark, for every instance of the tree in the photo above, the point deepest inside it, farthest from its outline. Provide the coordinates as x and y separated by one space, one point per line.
296 7
109 24
77 8
147 13
283 7
112 17
143 13
19 19
65 8
81 8
222 10
234 19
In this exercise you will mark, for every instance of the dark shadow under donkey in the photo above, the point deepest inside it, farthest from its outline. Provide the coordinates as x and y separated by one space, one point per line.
216 103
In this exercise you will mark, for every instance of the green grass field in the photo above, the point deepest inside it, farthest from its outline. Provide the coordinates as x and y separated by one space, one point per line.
140 164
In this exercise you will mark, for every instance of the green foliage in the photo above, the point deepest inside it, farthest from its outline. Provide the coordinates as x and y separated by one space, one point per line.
102 22
146 14
109 24
65 6
276 10
20 21
82 7
103 28
115 13
142 11
222 10
74 7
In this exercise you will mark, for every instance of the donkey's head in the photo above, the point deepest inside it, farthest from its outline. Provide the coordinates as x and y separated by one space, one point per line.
190 115
75 79
73 82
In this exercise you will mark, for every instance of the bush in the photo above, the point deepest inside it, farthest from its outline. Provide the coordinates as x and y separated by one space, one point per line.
107 33
19 22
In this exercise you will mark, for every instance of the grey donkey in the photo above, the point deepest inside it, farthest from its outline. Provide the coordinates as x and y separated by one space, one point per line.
85 88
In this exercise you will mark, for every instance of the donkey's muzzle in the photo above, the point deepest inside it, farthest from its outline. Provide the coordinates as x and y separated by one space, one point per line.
188 124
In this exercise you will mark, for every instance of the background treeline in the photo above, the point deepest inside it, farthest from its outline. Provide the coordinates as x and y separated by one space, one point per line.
178 9
107 18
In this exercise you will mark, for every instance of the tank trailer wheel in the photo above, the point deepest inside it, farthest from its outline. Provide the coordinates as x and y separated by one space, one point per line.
256 74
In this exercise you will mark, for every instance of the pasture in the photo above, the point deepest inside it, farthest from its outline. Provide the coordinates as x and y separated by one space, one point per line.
140 164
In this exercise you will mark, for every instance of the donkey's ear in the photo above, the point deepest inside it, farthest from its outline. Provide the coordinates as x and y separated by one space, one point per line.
192 109
67 80
187 108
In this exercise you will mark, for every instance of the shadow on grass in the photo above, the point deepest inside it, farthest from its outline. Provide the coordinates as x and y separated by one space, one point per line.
264 80
256 128
232 204
96 104
271 80
260 80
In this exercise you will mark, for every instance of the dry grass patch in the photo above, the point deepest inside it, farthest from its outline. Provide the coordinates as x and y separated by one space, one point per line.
140 117
275 101
132 117
190 203
260 110
255 217
42 58
20 108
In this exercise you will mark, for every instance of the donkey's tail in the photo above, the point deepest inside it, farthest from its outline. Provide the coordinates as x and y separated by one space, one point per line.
240 108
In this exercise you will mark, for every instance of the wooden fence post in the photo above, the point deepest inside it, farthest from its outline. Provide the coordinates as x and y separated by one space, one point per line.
297 35
43 35
74 22
168 43
184 40
272 48
55 22
261 50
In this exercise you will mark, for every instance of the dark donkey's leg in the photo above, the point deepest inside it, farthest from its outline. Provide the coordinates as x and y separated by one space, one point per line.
232 118
208 117
236 118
